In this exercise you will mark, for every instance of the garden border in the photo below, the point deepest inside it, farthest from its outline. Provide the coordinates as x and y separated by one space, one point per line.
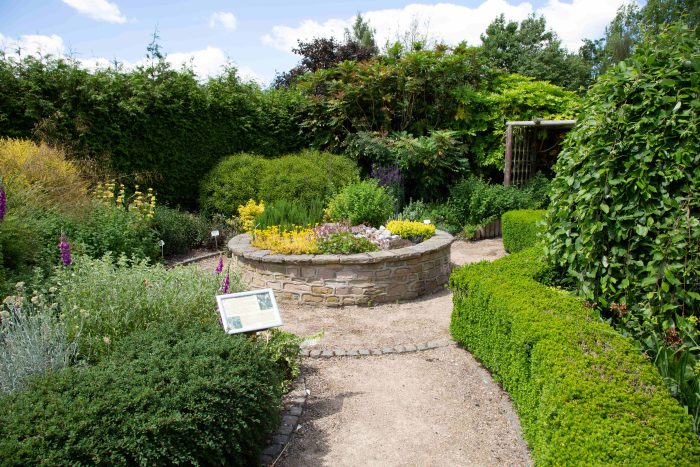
338 280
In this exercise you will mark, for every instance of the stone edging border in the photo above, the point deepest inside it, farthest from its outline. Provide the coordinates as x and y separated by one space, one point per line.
406 348
290 420
200 258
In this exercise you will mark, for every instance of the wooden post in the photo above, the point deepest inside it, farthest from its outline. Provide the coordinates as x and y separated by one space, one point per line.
509 155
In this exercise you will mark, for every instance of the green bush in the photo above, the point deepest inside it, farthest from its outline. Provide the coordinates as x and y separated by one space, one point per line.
288 214
304 177
478 202
167 395
521 229
625 215
345 243
105 300
584 394
362 203
181 231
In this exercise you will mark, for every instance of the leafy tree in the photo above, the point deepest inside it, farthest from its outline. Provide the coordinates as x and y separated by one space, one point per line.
530 49
362 33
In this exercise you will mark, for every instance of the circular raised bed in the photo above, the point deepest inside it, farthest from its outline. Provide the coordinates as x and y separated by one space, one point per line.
336 280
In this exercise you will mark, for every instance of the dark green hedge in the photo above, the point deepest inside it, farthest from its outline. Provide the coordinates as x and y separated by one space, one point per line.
520 229
584 394
164 396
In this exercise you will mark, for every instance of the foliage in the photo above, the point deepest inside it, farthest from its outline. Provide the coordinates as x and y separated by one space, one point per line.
150 125
297 241
180 230
411 229
345 243
107 299
287 214
444 216
530 49
283 348
33 339
138 203
624 220
521 229
55 181
248 212
583 394
304 177
362 203
169 394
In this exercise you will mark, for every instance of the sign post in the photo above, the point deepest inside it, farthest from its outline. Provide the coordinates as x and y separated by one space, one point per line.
246 312
215 234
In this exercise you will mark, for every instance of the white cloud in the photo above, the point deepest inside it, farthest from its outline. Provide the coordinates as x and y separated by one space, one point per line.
223 18
101 10
206 62
33 44
455 23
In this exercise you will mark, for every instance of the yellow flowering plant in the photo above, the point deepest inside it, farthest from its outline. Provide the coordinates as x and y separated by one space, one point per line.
296 241
411 229
141 204
247 214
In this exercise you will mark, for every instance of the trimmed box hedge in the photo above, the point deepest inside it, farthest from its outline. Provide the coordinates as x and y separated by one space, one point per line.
584 394
520 228
163 396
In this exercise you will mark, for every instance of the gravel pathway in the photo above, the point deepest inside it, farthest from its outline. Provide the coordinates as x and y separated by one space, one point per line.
435 407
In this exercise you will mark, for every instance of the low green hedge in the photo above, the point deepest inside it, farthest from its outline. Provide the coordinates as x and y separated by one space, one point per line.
584 394
164 396
520 229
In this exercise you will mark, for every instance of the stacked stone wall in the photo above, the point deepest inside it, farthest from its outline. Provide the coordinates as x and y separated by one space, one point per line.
337 280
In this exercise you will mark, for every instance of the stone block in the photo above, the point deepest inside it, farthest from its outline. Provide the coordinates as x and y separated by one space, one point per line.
308 298
321 290
315 353
296 287
308 271
363 352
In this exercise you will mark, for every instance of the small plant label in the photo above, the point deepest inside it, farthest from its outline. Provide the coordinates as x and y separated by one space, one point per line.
214 233
249 311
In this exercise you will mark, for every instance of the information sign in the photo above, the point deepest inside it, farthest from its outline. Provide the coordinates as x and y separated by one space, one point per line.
249 311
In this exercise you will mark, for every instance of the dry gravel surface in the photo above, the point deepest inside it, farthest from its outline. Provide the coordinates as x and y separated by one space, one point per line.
435 407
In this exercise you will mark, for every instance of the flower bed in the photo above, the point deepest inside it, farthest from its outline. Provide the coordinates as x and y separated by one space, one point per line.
354 279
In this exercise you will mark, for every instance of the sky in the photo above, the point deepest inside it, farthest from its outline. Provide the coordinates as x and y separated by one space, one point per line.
257 36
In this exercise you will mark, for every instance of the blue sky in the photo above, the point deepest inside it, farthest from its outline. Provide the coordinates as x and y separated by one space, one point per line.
257 36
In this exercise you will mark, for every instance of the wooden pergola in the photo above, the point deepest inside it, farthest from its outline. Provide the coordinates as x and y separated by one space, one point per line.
527 151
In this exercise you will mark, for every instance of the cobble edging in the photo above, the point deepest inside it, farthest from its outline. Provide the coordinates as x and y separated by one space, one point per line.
355 352
337 280
290 420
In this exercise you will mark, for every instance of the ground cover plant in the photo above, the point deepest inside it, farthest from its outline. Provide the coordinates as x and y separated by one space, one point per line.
584 395
624 222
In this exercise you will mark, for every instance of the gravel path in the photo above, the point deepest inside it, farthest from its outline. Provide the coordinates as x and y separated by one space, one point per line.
435 407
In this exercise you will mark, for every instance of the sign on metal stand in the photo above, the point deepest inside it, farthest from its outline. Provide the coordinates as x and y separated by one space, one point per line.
246 312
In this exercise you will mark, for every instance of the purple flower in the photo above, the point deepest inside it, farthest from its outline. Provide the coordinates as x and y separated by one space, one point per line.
3 203
220 266
65 251
386 175
224 286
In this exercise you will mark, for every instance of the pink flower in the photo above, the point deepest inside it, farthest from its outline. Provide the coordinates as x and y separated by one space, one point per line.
220 266
224 286
65 251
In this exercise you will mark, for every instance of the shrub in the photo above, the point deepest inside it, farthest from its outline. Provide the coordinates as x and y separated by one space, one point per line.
304 177
345 243
625 214
362 203
108 299
33 340
181 231
478 202
411 229
521 229
167 395
287 214
583 393
298 241
248 212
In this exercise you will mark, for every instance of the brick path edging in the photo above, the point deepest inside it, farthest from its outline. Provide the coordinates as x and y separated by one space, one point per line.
405 348
290 420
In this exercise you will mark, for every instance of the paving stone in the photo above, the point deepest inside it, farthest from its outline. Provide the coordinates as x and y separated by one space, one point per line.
299 400
420 346
388 350
340 353
286 430
266 459
304 352
295 410
433 345
272 450
376 352
400 348
352 353
327 353
411 348
290 420
315 353
363 352
280 439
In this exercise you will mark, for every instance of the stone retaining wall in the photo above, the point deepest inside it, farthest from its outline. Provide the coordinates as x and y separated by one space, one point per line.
336 280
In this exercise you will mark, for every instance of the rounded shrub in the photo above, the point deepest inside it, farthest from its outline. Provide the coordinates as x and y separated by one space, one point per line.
232 182
181 231
168 395
362 203
521 229
302 177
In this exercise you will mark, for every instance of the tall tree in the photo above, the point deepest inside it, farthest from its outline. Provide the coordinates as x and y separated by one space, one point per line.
362 33
529 48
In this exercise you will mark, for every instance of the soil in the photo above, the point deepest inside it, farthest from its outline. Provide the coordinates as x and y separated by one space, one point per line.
434 407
